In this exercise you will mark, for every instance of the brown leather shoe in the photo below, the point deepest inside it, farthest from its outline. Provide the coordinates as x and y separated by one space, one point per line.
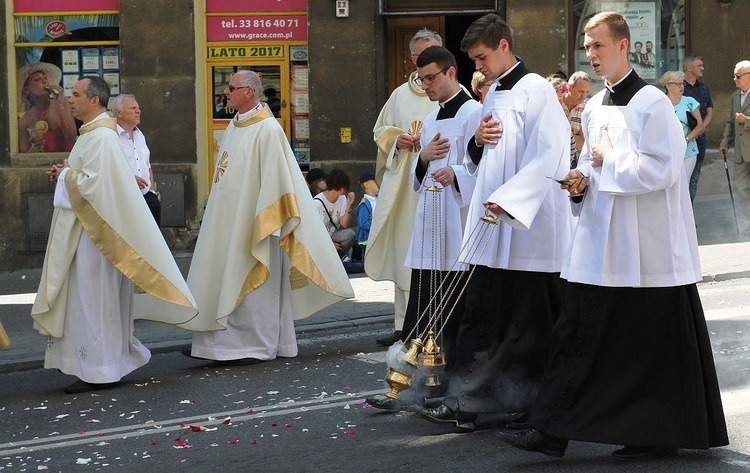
534 441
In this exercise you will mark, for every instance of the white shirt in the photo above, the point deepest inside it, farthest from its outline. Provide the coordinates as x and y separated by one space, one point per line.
336 210
138 154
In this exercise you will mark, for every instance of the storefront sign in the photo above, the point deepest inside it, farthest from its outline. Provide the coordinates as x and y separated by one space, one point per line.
257 28
217 6
36 6
247 52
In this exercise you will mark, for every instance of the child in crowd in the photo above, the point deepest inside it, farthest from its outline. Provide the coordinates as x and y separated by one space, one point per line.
365 209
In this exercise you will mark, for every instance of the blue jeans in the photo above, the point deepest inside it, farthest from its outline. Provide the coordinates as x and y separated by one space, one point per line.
701 142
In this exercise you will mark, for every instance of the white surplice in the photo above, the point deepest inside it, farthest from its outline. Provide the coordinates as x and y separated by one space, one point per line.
534 232
636 225
440 217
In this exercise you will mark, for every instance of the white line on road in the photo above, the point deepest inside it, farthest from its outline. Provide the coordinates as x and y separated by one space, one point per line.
170 425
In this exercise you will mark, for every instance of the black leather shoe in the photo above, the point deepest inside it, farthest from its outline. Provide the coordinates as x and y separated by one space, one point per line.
83 387
534 441
443 414
636 453
238 362
381 401
390 340
520 423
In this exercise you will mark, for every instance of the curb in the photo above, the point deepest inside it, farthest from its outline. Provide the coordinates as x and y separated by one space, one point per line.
708 277
27 364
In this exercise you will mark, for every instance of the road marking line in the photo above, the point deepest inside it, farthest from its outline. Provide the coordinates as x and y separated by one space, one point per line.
171 425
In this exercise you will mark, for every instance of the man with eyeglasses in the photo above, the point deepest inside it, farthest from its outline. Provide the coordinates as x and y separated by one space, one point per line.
263 257
737 133
397 132
514 295
693 67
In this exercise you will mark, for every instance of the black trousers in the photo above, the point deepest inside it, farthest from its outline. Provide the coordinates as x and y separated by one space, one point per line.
632 366
154 206
504 339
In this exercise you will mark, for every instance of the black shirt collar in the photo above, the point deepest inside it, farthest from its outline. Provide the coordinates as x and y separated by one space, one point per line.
621 93
450 108
515 75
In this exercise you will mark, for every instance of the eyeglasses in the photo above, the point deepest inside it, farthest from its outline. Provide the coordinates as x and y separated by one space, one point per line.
233 88
737 76
428 80
676 83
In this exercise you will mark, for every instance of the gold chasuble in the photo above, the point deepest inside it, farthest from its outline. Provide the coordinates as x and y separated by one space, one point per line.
109 207
259 192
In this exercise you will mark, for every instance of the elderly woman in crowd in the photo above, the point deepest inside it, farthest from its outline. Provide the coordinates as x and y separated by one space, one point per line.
673 82
47 124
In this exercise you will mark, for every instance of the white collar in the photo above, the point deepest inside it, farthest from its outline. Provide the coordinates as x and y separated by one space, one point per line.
611 87
442 104
251 112
507 72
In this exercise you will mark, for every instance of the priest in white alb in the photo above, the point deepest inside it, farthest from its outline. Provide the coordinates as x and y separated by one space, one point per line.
99 246
397 133
263 257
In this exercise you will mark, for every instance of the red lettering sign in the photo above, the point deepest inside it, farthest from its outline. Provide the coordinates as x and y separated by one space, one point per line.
55 29
38 6
257 28
237 6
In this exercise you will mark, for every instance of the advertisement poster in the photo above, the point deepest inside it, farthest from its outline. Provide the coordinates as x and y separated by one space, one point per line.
642 20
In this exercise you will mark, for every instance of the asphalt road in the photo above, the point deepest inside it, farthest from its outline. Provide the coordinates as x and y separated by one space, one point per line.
307 414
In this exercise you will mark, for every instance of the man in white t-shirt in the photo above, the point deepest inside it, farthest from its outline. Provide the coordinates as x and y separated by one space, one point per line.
335 208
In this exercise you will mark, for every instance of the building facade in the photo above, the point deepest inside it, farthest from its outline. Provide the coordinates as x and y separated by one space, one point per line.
327 66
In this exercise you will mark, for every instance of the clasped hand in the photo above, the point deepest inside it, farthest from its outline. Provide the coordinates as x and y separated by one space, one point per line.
54 171
598 150
489 131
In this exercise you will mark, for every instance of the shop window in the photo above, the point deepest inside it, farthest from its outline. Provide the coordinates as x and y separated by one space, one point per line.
657 35
52 51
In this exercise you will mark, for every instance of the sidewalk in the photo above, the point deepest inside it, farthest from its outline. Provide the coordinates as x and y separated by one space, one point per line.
724 255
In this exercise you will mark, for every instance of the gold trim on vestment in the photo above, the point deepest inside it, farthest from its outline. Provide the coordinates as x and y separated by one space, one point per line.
262 114
268 221
303 262
4 340
117 250
383 151
103 122
413 86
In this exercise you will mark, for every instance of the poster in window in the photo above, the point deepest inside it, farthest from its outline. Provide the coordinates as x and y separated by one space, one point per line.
110 59
301 103
641 18
70 64
90 59
69 80
113 79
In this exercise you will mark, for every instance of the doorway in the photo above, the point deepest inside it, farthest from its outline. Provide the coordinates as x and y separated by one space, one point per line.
400 30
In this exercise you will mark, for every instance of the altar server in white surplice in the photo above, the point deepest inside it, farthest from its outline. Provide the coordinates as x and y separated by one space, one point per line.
515 292
263 257
99 245
396 134
439 225
632 360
